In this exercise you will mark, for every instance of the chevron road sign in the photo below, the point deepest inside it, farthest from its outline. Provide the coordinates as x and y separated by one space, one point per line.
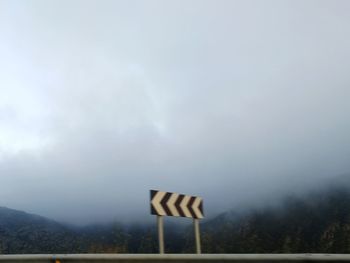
172 204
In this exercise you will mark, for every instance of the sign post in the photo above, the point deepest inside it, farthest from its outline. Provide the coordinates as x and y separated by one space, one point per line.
173 204
197 235
160 234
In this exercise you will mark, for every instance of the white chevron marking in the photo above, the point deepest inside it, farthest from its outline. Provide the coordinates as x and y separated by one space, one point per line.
171 204
183 206
195 207
156 203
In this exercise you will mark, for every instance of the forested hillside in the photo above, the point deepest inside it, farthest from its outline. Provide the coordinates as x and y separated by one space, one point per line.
317 223
21 232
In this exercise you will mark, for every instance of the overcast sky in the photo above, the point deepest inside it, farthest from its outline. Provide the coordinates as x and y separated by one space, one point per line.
235 101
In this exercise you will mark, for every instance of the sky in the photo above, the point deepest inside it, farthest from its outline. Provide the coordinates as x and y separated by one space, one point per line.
240 102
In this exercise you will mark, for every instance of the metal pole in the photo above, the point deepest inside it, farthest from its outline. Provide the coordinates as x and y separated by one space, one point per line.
197 235
160 234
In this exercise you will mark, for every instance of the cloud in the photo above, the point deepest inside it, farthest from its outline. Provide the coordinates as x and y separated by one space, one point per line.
239 102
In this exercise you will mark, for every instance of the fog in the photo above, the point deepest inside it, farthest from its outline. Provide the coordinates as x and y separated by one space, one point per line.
240 102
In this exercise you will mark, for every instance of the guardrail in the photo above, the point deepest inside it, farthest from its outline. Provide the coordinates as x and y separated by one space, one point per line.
174 258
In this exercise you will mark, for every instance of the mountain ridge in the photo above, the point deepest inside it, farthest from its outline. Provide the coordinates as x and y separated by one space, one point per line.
318 222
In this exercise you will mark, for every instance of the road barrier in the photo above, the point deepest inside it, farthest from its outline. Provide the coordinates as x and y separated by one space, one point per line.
174 258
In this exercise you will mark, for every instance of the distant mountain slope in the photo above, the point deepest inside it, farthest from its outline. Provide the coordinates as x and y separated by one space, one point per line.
21 232
317 223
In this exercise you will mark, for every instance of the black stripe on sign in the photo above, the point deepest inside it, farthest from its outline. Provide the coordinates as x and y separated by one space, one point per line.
201 207
152 194
189 206
164 205
177 205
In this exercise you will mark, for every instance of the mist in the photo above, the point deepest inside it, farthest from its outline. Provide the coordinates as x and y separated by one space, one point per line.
240 102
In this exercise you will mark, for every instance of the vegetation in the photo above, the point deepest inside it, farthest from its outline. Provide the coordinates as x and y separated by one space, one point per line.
318 223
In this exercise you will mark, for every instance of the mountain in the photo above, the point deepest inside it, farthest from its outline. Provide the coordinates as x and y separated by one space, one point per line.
24 233
318 222
21 232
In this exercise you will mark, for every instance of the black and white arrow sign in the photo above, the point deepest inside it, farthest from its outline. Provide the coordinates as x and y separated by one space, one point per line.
172 204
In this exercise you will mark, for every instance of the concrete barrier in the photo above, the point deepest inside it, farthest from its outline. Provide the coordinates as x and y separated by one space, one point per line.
174 258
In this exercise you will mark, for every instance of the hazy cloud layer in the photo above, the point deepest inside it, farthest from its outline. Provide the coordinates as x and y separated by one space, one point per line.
236 101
